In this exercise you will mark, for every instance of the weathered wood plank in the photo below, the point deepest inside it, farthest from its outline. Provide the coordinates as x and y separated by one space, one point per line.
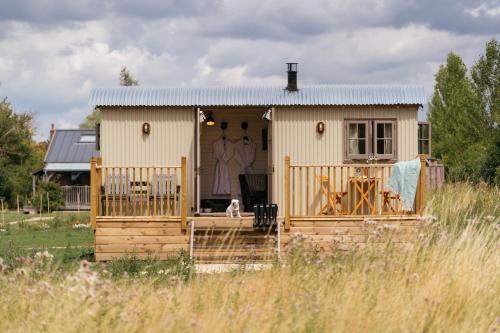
128 231
174 225
348 230
141 239
116 256
139 248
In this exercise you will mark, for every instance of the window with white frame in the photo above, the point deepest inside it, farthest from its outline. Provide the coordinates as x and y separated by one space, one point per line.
375 137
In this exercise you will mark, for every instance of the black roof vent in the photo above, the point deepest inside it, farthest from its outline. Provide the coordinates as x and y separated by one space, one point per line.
292 76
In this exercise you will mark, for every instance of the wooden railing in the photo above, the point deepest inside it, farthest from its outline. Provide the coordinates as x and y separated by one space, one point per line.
76 197
140 191
344 189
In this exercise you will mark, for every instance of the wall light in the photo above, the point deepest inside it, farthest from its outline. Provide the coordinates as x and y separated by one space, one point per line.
210 120
320 127
146 128
267 115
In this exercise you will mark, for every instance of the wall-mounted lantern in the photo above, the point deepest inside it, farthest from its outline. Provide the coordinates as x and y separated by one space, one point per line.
210 120
320 127
146 128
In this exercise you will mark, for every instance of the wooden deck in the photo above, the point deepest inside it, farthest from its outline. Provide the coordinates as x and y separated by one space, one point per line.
141 211
220 239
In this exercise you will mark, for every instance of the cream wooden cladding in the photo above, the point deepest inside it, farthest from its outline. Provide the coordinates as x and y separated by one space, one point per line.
171 136
295 135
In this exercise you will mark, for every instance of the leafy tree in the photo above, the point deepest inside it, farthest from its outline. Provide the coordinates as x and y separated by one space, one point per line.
92 119
486 78
19 155
464 112
454 117
126 80
485 75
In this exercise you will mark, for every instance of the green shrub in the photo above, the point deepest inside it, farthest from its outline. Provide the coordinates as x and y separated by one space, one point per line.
55 195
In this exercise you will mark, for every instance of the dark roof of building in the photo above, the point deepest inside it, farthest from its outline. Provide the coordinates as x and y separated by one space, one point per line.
67 147
259 96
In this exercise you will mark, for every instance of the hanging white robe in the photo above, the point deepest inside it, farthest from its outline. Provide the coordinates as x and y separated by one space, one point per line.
223 152
245 155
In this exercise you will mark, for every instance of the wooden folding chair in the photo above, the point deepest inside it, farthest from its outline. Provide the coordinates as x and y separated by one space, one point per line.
334 198
389 198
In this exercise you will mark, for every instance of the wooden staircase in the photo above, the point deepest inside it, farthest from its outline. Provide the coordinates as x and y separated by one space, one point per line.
222 239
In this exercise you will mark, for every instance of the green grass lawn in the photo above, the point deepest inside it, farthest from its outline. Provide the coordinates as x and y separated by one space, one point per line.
26 234
9 216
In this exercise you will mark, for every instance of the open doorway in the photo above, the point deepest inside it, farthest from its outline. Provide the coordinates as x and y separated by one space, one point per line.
234 159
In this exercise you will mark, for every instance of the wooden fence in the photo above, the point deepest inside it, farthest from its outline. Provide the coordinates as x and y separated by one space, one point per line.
76 197
139 191
347 189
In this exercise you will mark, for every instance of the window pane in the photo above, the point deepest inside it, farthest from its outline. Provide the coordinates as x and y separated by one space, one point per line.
420 131
425 147
420 146
87 138
425 131
353 147
380 131
388 146
362 146
353 131
388 131
362 131
380 146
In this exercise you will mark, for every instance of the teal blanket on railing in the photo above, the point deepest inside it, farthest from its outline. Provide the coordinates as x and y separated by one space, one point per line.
404 180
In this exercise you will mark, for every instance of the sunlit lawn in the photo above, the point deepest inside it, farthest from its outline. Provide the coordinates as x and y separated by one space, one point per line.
28 234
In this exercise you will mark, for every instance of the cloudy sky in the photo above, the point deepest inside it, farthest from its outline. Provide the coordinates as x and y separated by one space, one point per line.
53 52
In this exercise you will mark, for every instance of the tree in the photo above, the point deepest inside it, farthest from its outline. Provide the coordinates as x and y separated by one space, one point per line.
464 113
126 80
486 78
19 155
92 119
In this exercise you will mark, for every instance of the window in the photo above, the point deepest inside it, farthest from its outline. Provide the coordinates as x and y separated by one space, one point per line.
87 138
357 145
367 137
424 138
384 139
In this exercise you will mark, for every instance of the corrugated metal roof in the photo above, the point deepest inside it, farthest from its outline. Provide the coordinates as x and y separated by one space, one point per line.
65 147
259 96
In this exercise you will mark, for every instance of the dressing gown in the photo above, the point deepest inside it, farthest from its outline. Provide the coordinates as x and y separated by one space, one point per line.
223 152
245 155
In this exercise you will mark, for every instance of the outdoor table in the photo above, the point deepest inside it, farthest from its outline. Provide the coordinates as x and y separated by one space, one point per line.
363 195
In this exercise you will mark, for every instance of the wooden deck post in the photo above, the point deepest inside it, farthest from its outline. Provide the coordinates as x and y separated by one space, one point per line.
420 197
287 192
93 192
183 193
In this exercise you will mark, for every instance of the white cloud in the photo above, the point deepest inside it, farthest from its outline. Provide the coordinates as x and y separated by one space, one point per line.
49 67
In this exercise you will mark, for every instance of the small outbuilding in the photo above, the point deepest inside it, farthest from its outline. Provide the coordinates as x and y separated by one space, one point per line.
67 161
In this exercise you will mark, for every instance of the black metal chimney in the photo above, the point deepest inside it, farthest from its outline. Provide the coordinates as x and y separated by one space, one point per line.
292 76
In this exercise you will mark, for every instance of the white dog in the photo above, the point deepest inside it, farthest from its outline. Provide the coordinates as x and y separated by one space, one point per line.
234 208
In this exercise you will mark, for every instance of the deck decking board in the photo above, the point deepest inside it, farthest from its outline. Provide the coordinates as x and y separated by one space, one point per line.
221 239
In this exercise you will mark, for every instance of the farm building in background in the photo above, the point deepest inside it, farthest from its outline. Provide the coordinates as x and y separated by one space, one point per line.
67 161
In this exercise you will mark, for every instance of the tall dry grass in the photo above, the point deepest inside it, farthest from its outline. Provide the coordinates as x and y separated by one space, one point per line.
449 282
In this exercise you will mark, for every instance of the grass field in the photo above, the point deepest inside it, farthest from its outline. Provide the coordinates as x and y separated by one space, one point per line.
448 282
55 232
